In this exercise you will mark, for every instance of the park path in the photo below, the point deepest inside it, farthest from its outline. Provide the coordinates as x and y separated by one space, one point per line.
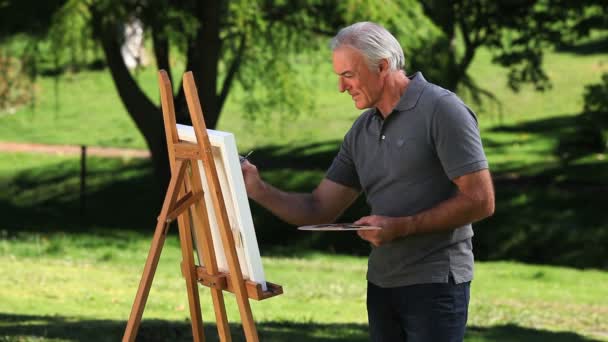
73 150
115 152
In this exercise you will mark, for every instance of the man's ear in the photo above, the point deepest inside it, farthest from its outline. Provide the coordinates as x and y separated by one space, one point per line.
383 66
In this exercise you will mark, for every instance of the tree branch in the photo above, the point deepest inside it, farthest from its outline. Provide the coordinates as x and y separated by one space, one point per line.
234 67
161 51
130 93
470 47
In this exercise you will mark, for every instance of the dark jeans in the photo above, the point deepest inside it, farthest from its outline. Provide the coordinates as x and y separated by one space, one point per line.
418 313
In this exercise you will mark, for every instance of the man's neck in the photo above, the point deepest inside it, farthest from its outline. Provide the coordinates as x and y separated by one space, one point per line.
396 85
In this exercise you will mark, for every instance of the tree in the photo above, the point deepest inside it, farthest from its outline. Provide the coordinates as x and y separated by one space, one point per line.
17 68
217 39
515 31
222 41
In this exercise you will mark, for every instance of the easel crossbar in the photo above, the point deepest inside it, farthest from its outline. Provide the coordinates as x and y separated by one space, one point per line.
185 150
184 204
222 281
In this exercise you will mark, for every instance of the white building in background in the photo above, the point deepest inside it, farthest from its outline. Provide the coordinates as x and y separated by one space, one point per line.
133 50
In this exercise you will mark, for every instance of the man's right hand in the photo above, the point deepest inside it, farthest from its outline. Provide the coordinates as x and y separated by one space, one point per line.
253 181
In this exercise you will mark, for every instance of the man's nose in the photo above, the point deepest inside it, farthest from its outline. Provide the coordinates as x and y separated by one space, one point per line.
342 86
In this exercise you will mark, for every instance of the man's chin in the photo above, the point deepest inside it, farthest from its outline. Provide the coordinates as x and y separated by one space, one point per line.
360 105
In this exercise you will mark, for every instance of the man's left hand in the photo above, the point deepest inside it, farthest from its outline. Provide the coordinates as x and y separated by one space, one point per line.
377 237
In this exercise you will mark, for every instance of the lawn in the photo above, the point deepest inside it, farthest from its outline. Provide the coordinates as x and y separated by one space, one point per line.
62 286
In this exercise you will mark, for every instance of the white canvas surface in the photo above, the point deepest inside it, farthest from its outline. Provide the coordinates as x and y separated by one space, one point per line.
228 167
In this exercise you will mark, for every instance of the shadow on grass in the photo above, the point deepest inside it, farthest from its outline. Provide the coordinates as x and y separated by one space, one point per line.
547 213
575 136
47 199
122 195
590 47
28 327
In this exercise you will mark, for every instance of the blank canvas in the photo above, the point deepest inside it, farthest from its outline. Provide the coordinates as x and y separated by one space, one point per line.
231 181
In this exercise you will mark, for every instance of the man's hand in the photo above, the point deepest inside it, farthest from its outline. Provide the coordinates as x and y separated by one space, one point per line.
253 182
389 232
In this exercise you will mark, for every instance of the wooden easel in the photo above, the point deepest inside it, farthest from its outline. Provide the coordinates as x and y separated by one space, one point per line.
184 200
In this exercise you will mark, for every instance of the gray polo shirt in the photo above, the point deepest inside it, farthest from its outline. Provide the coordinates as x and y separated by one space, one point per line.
405 165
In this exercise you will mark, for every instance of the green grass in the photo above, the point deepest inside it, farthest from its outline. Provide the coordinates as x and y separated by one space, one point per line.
568 73
65 277
93 278
522 147
86 109
81 109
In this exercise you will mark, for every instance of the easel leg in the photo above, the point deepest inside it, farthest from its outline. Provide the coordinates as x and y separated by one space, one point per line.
189 272
217 295
206 250
215 190
153 256
251 332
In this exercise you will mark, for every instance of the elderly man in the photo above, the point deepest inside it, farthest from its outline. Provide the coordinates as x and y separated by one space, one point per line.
417 155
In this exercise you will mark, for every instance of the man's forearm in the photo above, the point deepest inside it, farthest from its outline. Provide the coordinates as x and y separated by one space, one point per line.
294 208
452 213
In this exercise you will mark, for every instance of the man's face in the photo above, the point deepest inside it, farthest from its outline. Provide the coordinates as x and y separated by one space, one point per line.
354 76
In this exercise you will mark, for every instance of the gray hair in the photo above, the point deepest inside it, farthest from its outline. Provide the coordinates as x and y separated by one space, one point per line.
374 42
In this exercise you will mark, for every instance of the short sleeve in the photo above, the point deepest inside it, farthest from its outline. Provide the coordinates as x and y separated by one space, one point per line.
342 169
456 138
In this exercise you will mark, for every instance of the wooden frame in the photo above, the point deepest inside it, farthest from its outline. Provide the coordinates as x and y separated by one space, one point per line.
185 201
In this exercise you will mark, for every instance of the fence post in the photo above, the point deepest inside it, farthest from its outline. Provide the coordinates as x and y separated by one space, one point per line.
83 176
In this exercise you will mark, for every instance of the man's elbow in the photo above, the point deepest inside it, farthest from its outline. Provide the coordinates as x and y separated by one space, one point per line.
482 207
487 207
314 213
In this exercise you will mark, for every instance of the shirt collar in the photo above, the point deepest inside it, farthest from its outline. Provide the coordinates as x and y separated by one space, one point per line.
410 96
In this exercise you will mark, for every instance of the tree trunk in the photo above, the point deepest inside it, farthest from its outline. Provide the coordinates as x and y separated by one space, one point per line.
203 55
146 115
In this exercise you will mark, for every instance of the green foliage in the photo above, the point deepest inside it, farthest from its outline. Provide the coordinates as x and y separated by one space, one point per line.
260 40
69 43
275 52
517 32
405 19
596 97
16 74
61 41
26 16
269 54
